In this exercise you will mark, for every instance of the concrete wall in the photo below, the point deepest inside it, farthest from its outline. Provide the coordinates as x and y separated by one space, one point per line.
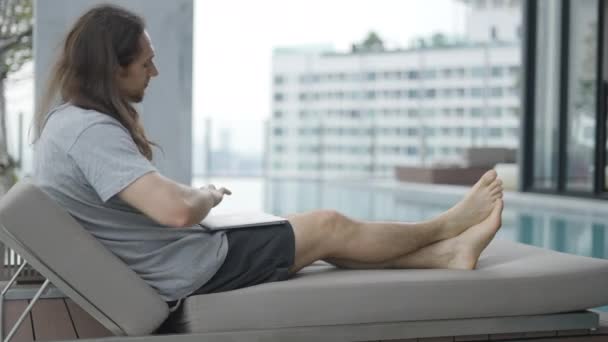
167 108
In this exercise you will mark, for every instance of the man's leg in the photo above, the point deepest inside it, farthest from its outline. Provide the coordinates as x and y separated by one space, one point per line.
328 234
460 252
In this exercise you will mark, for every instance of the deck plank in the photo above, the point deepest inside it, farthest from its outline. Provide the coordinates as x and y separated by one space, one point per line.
52 321
12 311
85 325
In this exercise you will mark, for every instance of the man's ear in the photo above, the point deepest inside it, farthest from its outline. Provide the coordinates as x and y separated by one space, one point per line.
121 72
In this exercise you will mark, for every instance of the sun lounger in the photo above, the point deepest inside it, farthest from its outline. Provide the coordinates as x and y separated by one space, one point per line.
516 288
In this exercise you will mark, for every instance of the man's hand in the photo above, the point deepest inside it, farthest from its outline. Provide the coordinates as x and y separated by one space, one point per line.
217 194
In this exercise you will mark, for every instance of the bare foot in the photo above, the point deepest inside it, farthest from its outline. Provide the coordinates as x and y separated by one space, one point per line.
474 207
467 247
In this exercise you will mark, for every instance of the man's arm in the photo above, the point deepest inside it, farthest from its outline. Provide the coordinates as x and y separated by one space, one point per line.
168 202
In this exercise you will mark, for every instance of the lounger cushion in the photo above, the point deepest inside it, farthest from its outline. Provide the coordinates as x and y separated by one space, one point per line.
511 279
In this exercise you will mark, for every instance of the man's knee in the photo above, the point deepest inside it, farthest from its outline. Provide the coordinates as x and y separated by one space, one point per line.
335 226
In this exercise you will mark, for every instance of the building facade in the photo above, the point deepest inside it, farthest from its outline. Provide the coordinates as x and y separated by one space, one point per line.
361 114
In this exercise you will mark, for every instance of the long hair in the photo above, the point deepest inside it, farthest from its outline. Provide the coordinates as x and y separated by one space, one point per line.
102 40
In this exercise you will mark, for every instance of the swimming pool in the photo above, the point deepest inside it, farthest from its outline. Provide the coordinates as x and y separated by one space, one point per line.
576 226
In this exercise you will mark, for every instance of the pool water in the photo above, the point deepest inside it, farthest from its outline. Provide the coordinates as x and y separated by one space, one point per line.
582 232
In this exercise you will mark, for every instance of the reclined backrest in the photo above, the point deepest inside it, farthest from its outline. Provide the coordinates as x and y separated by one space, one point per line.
58 247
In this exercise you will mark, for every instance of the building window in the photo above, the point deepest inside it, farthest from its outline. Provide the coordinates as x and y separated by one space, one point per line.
582 95
478 72
496 71
429 74
497 112
279 79
495 132
476 92
493 33
518 32
496 92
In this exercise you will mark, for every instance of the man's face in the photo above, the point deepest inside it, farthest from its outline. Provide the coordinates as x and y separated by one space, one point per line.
133 79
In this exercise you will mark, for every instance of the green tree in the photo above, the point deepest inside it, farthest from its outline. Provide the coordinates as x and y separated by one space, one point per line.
371 43
16 23
439 40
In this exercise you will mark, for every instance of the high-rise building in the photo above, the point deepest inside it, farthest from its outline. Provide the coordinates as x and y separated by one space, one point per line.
360 114
493 20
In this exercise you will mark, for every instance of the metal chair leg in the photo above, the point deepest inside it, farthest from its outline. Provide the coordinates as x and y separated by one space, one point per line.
27 311
8 285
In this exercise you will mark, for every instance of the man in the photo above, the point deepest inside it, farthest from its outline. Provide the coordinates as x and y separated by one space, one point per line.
93 157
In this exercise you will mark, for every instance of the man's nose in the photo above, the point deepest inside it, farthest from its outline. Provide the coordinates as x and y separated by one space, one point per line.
154 72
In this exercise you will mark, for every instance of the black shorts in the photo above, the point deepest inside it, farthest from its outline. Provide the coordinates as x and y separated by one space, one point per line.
255 256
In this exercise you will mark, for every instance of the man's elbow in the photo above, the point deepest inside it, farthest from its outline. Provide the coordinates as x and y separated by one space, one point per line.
181 218
187 216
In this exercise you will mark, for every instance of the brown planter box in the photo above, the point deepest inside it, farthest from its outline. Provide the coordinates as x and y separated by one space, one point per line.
440 175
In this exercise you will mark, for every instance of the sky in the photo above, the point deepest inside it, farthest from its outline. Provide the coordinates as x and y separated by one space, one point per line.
234 40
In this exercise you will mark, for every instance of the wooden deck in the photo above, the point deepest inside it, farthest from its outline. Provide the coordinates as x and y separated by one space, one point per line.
62 319
52 319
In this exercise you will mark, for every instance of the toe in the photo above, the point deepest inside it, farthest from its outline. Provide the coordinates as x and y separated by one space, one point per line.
497 210
496 196
495 184
488 177
496 190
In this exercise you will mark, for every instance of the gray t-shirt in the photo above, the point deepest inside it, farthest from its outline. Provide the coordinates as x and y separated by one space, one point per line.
82 160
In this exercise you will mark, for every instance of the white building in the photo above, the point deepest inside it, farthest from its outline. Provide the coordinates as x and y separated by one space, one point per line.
358 115
493 20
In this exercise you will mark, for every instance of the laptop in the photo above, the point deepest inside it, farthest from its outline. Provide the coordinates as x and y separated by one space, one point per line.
225 221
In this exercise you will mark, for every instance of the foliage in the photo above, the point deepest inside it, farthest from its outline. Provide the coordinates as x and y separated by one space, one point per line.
371 43
16 26
16 21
